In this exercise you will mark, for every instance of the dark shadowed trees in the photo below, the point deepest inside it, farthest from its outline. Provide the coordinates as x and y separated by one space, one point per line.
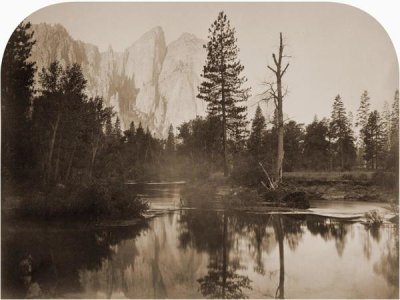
17 76
293 145
316 145
373 140
255 143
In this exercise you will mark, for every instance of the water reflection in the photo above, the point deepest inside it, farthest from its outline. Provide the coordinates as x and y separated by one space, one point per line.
50 258
203 254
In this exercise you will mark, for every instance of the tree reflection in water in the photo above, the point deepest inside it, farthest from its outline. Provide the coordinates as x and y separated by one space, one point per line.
222 280
216 232
220 254
329 229
388 264
57 256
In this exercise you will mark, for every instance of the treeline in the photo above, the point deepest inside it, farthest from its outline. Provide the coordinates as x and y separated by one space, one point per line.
64 151
328 144
57 134
331 143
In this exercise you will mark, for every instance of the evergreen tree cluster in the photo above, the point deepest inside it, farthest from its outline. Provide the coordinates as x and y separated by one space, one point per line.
59 135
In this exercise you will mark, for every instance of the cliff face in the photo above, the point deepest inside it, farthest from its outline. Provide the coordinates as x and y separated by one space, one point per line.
148 82
179 79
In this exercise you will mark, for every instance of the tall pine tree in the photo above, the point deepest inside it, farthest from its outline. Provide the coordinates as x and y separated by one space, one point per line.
17 77
373 140
394 149
362 120
170 146
222 87
341 135
255 143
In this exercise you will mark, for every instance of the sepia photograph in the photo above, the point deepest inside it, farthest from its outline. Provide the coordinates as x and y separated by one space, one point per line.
194 150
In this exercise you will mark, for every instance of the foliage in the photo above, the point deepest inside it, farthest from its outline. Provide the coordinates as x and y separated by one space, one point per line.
374 218
373 140
97 200
17 77
342 148
316 145
255 143
222 88
293 142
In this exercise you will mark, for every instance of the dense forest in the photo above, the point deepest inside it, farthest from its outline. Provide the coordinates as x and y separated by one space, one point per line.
55 136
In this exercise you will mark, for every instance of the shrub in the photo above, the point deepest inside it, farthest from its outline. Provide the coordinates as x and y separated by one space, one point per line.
374 218
385 179
347 176
246 171
91 202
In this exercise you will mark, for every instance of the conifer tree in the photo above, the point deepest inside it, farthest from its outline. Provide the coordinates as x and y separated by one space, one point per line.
373 140
393 160
117 128
363 113
341 134
130 133
170 146
386 125
255 142
316 145
222 87
17 77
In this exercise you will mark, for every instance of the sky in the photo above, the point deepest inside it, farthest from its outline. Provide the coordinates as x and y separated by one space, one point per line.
334 48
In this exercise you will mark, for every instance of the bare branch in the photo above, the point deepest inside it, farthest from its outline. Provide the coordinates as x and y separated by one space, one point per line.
274 57
272 185
271 69
284 70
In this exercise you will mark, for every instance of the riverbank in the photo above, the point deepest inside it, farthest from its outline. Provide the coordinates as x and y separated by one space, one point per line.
91 202
295 193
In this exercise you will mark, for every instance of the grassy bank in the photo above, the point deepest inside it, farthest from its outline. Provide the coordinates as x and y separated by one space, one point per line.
351 185
295 191
87 202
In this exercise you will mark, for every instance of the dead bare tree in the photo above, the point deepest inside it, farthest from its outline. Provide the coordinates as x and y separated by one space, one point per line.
276 93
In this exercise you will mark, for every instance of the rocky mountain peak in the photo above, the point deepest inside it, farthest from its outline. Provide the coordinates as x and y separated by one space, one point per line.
148 82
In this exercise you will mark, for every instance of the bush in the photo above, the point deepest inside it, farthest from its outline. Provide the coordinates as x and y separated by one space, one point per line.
374 218
246 171
347 176
385 179
92 202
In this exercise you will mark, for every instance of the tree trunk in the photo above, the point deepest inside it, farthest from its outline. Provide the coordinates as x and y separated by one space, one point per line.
226 169
280 150
279 103
57 166
51 147
94 152
341 155
224 255
67 175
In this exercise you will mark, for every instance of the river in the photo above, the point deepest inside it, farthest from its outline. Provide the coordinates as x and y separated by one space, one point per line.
203 253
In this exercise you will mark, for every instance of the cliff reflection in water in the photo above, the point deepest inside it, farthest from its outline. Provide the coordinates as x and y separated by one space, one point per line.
205 254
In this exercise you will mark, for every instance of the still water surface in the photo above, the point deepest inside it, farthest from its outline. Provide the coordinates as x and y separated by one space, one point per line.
202 254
